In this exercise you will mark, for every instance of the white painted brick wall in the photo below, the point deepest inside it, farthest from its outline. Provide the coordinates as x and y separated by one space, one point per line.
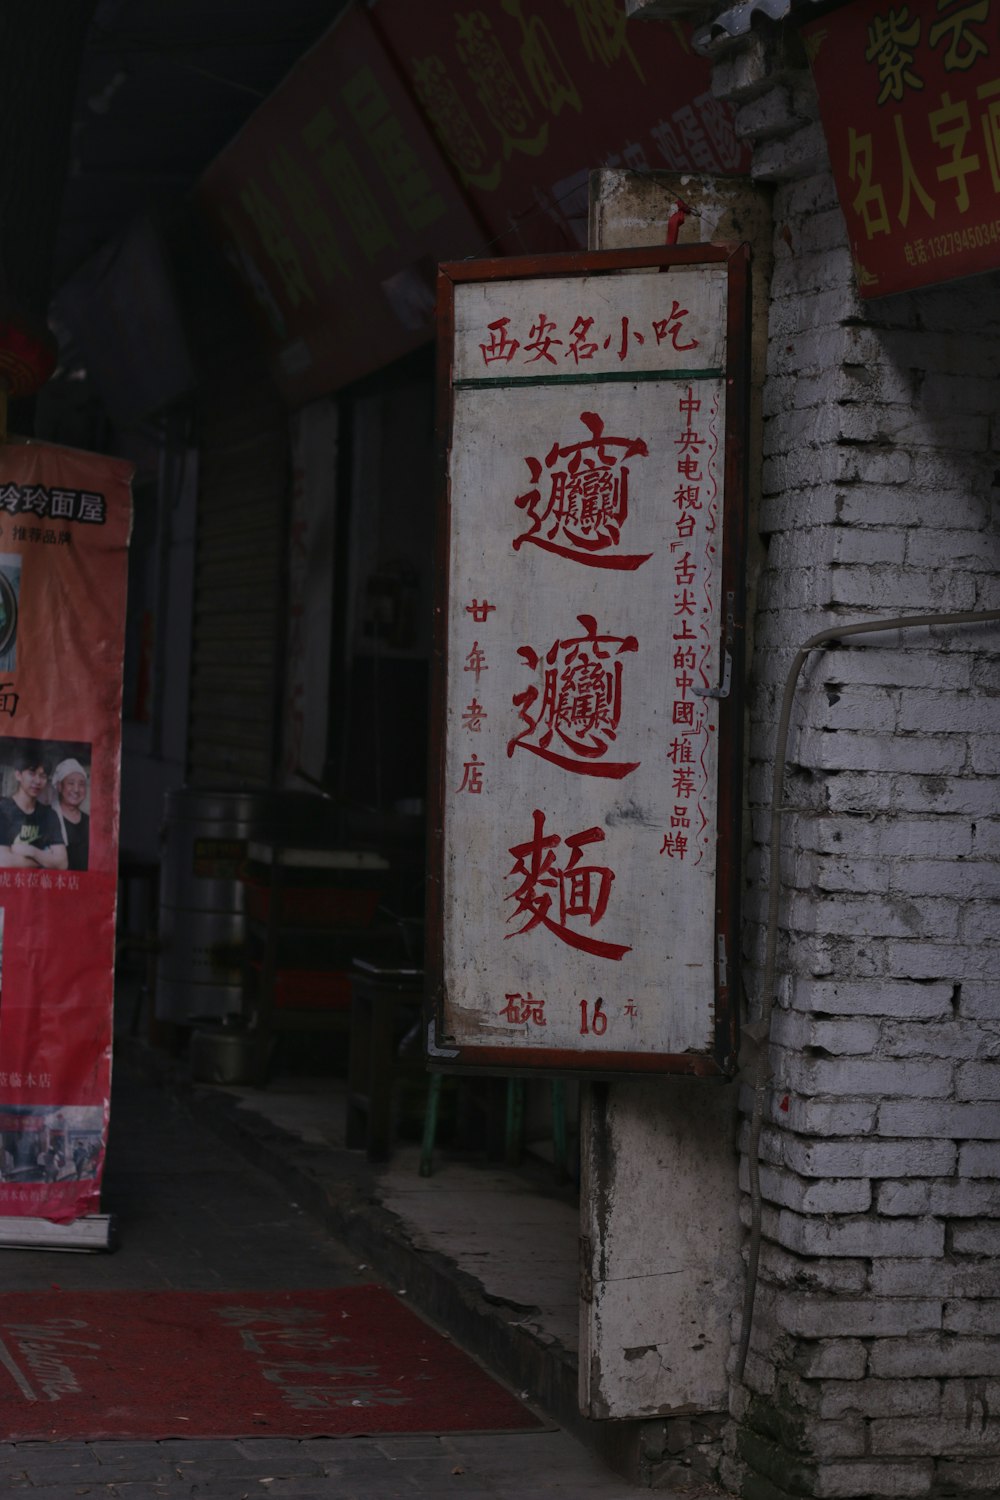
978 1159
959 1039
829 1196
981 1002
842 1277
977 1239
868 1158
972 1279
879 1323
880 1398
942 1117
874 1236
832 1359
940 1355
853 1317
896 1480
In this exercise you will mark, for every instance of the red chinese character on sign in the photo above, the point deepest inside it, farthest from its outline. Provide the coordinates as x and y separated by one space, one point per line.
523 1008
473 716
587 504
580 346
689 441
579 704
552 895
675 845
499 346
541 340
688 497
670 328
623 345
476 661
472 776
684 569
683 781
480 612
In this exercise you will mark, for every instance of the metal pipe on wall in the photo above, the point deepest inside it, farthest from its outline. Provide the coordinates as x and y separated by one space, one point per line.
757 1032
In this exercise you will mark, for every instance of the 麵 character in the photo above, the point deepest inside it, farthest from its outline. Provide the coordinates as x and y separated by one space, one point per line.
553 894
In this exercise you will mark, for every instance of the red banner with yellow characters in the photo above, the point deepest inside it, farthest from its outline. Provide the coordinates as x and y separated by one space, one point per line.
910 100
65 518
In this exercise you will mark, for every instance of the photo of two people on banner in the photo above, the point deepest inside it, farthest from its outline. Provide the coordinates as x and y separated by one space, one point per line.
44 805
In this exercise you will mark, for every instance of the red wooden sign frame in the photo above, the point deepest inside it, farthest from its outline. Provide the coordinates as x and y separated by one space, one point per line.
638 375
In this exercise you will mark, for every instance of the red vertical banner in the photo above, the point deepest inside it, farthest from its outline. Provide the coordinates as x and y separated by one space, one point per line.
65 518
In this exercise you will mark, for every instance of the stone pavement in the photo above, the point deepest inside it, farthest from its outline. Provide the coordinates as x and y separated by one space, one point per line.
535 1466
193 1213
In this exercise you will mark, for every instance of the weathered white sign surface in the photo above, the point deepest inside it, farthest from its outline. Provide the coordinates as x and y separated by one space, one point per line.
585 625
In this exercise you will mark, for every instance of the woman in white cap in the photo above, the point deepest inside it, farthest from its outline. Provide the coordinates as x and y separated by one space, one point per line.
70 782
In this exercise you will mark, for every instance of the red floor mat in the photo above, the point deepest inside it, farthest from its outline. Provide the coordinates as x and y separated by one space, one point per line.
336 1363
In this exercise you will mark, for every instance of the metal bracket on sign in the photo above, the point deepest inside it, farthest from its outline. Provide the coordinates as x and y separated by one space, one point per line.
720 949
433 1050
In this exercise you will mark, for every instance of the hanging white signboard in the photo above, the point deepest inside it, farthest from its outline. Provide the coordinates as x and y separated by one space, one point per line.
583 901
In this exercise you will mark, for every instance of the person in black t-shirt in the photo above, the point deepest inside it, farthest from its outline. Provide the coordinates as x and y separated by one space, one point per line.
30 835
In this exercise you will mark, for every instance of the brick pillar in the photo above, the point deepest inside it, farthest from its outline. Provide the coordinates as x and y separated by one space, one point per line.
874 1367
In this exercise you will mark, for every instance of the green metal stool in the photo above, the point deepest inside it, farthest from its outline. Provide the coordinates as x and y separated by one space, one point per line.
514 1133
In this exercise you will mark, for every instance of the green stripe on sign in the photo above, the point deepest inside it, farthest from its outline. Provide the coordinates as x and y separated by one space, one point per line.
609 378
